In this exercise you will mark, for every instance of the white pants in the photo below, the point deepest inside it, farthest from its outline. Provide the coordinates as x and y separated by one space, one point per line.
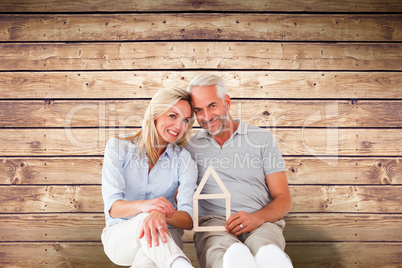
122 246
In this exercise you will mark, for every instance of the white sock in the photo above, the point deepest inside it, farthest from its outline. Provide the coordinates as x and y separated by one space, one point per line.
238 256
181 262
272 256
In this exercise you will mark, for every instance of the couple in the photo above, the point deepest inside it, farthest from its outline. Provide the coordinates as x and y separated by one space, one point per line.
149 179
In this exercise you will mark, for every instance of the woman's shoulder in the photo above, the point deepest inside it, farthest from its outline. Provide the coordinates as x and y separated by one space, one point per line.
121 143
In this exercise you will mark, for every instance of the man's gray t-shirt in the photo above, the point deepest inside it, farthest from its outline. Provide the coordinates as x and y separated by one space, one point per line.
242 163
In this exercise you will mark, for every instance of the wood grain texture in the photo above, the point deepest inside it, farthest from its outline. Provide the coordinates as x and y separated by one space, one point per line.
342 254
52 227
343 227
356 199
300 170
75 198
265 113
368 199
389 6
46 171
321 170
323 76
240 84
54 254
303 254
200 55
300 227
292 141
218 26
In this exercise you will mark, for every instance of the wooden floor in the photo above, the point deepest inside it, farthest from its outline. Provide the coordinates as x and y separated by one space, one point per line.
323 76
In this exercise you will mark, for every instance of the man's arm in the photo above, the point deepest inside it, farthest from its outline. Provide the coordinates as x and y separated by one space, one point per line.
281 204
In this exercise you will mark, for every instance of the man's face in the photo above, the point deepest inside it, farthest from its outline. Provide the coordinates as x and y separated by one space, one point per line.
210 110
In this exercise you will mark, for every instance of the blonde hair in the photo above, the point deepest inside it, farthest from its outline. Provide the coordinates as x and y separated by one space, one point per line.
147 138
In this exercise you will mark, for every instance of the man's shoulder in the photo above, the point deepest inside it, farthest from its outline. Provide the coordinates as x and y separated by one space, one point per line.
195 142
197 138
257 131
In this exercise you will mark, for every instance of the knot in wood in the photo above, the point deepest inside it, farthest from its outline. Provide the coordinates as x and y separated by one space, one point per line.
57 247
196 4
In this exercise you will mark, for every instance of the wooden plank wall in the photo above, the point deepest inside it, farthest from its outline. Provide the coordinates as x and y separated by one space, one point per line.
324 76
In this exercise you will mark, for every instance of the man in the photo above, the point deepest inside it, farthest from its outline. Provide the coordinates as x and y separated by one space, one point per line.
248 161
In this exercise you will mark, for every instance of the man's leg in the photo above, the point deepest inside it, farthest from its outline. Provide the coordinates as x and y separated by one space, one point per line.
211 246
177 235
238 255
267 234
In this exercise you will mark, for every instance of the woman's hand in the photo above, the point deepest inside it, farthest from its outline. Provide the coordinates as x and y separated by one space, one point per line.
160 204
153 224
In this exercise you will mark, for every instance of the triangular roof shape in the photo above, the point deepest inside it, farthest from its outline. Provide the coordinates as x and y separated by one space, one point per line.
197 195
211 171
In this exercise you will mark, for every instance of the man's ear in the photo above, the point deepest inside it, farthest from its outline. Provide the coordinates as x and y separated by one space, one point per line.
228 101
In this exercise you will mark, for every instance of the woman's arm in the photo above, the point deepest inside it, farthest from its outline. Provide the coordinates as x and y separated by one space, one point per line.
187 186
126 209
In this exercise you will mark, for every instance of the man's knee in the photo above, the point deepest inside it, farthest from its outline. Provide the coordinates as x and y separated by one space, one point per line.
266 234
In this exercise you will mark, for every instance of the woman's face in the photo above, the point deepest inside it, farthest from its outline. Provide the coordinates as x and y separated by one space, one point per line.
174 123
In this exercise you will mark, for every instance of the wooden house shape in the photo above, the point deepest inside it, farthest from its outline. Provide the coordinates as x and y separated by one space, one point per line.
197 195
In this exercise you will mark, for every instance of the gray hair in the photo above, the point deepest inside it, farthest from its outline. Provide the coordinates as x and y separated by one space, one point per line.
209 80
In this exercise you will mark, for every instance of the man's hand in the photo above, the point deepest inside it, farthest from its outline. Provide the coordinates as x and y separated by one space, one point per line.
160 204
249 222
154 224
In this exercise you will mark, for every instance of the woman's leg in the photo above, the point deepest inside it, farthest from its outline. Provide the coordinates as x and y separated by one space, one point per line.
122 245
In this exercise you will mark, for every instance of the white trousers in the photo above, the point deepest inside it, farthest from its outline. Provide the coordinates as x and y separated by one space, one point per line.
122 246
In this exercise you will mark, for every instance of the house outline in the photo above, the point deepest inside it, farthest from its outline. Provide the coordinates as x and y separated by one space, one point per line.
197 195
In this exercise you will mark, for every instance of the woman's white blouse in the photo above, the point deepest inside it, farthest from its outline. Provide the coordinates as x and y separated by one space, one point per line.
125 177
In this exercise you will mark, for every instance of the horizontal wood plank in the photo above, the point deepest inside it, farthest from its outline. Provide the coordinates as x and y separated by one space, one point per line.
200 55
52 227
244 84
54 254
292 141
46 171
321 170
218 26
206 5
375 199
267 113
361 199
321 254
303 254
300 170
51 199
300 227
343 227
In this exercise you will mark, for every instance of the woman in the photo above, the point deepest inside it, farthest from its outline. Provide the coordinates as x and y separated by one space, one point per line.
140 177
